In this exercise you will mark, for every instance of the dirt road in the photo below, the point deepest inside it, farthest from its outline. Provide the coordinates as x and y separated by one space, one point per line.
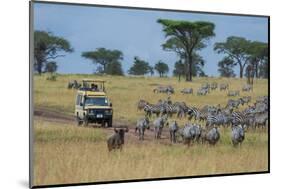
59 117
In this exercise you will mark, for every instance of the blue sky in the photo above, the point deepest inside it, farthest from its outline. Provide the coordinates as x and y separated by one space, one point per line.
134 32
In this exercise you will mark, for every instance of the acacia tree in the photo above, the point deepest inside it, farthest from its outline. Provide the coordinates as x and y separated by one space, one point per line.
48 47
104 57
140 67
258 52
51 67
179 68
236 49
226 67
186 38
162 68
114 68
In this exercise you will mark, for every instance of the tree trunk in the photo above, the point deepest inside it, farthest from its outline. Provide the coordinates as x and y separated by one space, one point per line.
241 70
257 66
39 67
190 68
186 70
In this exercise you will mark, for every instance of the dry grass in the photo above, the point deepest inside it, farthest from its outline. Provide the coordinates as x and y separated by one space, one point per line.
65 153
68 154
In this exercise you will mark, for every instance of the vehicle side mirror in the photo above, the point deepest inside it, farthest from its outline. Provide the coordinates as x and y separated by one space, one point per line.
81 104
110 104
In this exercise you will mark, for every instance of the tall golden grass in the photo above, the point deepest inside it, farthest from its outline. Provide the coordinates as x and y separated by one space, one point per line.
69 154
65 153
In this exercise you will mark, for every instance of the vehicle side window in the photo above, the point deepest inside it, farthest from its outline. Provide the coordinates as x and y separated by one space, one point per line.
78 100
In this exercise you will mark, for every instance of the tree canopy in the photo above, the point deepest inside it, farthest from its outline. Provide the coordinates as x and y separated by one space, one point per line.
48 47
242 52
186 38
140 67
162 68
107 59
225 67
51 67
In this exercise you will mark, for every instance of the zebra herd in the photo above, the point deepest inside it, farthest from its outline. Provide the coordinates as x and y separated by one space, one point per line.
205 89
213 117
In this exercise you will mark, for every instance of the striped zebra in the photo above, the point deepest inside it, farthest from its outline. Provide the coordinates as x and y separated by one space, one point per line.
215 120
238 118
173 128
150 109
197 114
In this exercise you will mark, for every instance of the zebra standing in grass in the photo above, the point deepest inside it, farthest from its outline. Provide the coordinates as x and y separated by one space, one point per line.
212 136
233 93
157 109
202 91
247 88
237 134
142 125
224 86
141 104
159 123
214 86
196 114
234 103
187 91
173 128
246 99
216 120
238 118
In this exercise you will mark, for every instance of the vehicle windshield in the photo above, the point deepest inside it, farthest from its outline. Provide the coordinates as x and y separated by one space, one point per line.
96 101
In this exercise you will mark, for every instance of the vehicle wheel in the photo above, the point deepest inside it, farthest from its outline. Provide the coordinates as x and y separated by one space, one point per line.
103 124
109 123
78 120
86 121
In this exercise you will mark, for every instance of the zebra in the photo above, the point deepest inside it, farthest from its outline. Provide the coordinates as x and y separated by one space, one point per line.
246 99
190 133
202 91
206 86
196 114
212 136
237 134
214 86
187 91
150 109
173 128
261 120
164 89
234 103
233 93
224 86
216 120
159 123
239 118
142 124
247 88
141 104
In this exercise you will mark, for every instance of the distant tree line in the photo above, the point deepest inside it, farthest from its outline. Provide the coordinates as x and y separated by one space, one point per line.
185 38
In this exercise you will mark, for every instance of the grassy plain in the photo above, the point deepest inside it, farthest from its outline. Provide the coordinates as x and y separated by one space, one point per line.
65 153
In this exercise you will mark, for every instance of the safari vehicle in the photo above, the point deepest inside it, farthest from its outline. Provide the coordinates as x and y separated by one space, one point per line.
92 104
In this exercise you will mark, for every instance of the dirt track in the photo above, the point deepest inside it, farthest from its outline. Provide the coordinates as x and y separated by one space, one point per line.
59 117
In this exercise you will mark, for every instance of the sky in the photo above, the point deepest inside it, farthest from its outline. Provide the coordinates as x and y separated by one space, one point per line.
135 33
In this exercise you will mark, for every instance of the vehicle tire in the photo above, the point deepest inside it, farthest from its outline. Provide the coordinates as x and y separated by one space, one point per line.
103 124
86 121
78 120
109 123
